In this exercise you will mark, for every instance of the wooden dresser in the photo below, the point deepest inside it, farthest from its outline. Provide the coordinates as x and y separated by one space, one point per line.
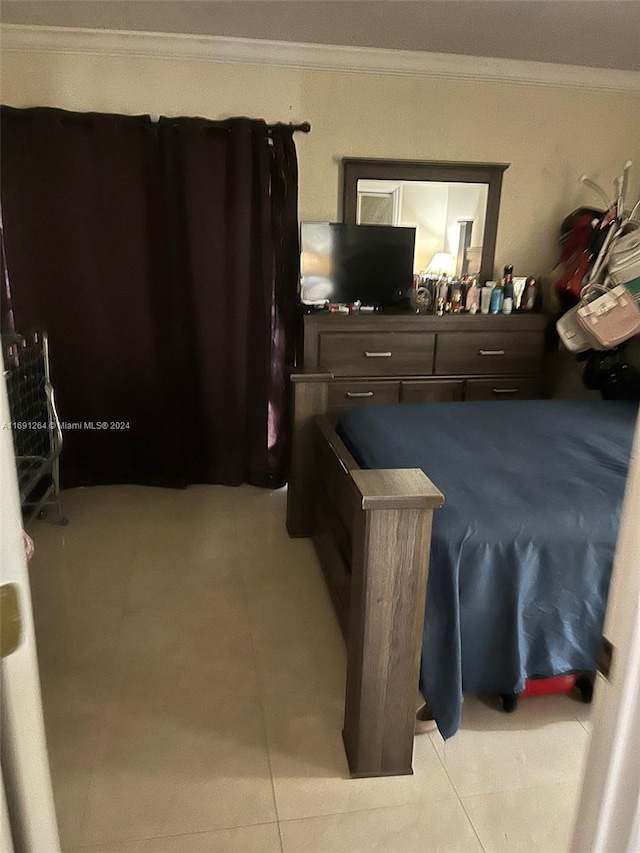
355 360
412 358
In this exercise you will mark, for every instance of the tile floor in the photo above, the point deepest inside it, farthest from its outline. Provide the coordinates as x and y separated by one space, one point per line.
192 675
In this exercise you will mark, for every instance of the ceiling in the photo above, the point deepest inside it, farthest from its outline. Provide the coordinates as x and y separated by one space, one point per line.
597 33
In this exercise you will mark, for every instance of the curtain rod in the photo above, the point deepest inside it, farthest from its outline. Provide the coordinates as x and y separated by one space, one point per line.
86 118
304 127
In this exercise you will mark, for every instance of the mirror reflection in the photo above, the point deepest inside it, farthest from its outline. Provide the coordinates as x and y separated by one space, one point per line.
449 218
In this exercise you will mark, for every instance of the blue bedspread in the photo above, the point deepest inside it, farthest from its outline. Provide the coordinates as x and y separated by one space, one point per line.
522 549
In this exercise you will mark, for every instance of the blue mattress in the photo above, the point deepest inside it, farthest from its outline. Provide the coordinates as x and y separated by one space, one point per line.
522 550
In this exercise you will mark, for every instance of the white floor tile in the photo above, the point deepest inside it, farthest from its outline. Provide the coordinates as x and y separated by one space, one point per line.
175 579
297 640
192 665
72 743
166 656
310 772
179 769
79 579
264 838
430 827
531 820
583 714
540 744
251 501
175 522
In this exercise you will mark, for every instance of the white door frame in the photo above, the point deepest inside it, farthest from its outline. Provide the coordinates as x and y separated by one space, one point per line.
25 764
6 841
608 818
381 189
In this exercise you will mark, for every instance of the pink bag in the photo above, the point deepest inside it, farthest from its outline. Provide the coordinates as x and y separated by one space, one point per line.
610 319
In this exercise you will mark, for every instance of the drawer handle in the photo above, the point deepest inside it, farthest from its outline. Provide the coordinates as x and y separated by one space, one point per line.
491 352
505 390
377 354
352 394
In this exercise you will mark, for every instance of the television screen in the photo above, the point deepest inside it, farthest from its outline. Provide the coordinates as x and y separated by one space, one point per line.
372 264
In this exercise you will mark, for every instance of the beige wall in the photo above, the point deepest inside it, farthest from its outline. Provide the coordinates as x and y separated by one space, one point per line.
548 135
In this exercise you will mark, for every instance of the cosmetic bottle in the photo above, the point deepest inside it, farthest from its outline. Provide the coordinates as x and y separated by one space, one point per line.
456 296
518 290
507 285
473 296
497 298
529 295
485 296
443 288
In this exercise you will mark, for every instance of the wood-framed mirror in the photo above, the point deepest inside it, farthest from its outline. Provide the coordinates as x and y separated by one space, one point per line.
454 208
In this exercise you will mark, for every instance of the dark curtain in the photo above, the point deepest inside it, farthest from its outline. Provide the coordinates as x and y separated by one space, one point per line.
7 325
286 318
232 193
162 260
81 199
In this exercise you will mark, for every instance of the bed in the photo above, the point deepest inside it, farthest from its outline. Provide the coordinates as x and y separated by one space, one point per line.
524 498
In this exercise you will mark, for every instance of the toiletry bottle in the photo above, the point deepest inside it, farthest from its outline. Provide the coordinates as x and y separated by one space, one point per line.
456 296
529 295
497 298
473 296
485 296
443 288
518 290
465 284
507 284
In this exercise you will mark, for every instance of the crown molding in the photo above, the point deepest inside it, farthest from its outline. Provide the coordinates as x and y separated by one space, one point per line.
359 60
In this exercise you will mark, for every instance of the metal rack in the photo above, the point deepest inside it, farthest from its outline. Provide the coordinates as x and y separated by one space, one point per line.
37 434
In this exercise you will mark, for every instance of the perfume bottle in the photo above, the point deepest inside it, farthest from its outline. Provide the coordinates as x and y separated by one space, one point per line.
507 284
473 297
529 295
443 288
485 296
456 297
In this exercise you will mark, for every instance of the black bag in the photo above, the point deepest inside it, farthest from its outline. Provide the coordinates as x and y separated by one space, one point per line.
609 373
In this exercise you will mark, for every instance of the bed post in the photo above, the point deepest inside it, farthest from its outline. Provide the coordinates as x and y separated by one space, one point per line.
309 391
391 540
372 532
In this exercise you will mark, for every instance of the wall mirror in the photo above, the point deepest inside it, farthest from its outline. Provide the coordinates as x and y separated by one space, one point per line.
453 207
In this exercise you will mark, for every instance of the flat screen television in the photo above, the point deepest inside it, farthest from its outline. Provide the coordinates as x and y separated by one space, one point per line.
372 264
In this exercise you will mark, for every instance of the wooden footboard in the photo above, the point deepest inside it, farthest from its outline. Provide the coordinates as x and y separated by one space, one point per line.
372 532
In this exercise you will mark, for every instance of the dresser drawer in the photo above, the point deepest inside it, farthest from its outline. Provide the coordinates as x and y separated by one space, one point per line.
377 353
346 395
489 352
503 389
431 391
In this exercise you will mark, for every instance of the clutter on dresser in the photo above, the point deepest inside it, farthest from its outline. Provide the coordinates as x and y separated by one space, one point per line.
445 294
360 269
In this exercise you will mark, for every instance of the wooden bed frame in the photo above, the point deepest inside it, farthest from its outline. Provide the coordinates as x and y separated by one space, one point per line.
372 534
